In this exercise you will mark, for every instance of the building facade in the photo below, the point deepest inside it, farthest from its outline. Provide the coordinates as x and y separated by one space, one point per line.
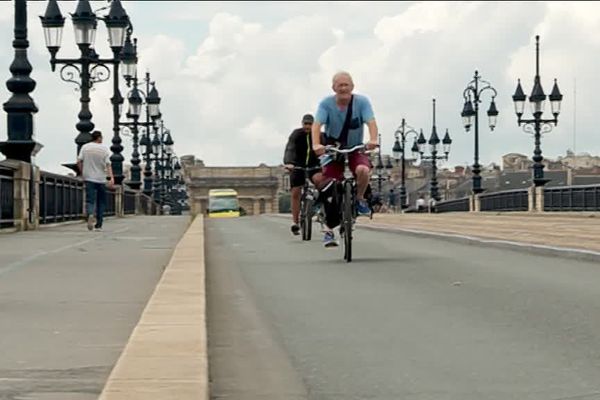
258 188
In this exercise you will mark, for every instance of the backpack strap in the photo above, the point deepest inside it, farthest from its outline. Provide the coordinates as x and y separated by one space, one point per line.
343 138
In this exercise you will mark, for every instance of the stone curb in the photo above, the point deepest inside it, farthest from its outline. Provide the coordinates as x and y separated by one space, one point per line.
166 355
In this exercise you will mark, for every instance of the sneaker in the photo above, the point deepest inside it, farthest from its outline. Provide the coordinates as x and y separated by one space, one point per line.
362 208
329 239
295 229
90 222
98 229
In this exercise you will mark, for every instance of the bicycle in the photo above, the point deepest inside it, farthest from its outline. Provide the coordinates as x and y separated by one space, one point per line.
307 203
348 198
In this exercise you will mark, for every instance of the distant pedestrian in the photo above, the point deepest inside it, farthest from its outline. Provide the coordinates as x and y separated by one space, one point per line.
392 200
432 204
94 163
421 204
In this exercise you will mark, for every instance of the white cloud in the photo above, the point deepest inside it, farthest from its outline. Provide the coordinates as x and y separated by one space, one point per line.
263 133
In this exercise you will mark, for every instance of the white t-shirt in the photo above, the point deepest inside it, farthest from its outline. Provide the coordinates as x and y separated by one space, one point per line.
95 158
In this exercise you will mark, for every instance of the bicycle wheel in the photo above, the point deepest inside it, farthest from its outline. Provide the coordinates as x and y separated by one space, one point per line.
347 216
301 216
306 220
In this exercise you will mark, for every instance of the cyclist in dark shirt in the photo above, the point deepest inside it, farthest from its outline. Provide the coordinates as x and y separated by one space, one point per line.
299 153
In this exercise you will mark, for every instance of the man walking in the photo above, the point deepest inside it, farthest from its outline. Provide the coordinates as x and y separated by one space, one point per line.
94 163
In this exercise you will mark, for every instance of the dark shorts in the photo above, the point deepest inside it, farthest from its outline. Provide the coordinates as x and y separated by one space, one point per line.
297 177
335 169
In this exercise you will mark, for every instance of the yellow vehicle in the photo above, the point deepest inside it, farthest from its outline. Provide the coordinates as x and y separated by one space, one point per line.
223 203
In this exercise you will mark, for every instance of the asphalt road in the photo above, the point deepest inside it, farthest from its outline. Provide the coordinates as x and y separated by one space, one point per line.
69 299
410 318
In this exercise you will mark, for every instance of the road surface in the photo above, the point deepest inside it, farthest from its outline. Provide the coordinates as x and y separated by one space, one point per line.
410 318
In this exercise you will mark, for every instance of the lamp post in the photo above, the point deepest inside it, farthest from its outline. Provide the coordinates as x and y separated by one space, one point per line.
151 100
434 143
174 187
116 21
162 148
537 125
470 114
165 175
20 108
398 151
89 68
382 170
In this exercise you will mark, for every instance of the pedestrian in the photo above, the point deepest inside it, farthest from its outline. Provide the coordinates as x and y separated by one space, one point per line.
432 204
420 206
94 164
392 200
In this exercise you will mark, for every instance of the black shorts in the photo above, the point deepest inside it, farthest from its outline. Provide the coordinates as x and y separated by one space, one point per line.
297 177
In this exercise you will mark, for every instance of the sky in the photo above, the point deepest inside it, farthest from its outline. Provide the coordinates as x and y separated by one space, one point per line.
235 78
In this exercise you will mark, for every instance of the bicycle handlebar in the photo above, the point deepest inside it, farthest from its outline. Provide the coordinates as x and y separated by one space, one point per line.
334 149
307 169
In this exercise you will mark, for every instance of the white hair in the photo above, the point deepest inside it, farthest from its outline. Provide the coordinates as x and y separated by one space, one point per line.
339 75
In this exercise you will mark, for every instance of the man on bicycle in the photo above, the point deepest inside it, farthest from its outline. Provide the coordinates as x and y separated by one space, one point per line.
344 115
299 153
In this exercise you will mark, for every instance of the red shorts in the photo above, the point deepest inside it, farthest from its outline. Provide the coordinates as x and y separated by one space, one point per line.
335 169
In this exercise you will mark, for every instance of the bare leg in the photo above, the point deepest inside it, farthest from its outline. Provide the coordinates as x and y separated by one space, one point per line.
320 181
362 180
295 199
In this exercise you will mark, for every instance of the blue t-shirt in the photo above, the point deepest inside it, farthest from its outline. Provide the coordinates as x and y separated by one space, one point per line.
333 118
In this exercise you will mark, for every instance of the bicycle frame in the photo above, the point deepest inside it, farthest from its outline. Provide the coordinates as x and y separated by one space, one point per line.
307 200
348 197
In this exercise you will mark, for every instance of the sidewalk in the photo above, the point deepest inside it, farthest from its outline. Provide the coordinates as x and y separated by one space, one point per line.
70 298
565 230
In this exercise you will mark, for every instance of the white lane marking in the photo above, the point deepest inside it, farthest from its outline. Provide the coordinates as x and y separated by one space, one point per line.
28 259
482 240
135 238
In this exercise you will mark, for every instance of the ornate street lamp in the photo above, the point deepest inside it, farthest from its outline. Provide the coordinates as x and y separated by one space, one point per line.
117 22
137 99
470 116
434 149
537 125
402 133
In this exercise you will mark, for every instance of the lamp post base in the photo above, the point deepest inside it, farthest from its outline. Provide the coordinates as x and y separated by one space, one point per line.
21 150
119 179
540 181
134 185
74 167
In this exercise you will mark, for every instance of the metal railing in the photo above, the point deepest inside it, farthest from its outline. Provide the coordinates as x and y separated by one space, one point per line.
110 210
461 204
572 198
61 198
508 200
129 202
6 198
